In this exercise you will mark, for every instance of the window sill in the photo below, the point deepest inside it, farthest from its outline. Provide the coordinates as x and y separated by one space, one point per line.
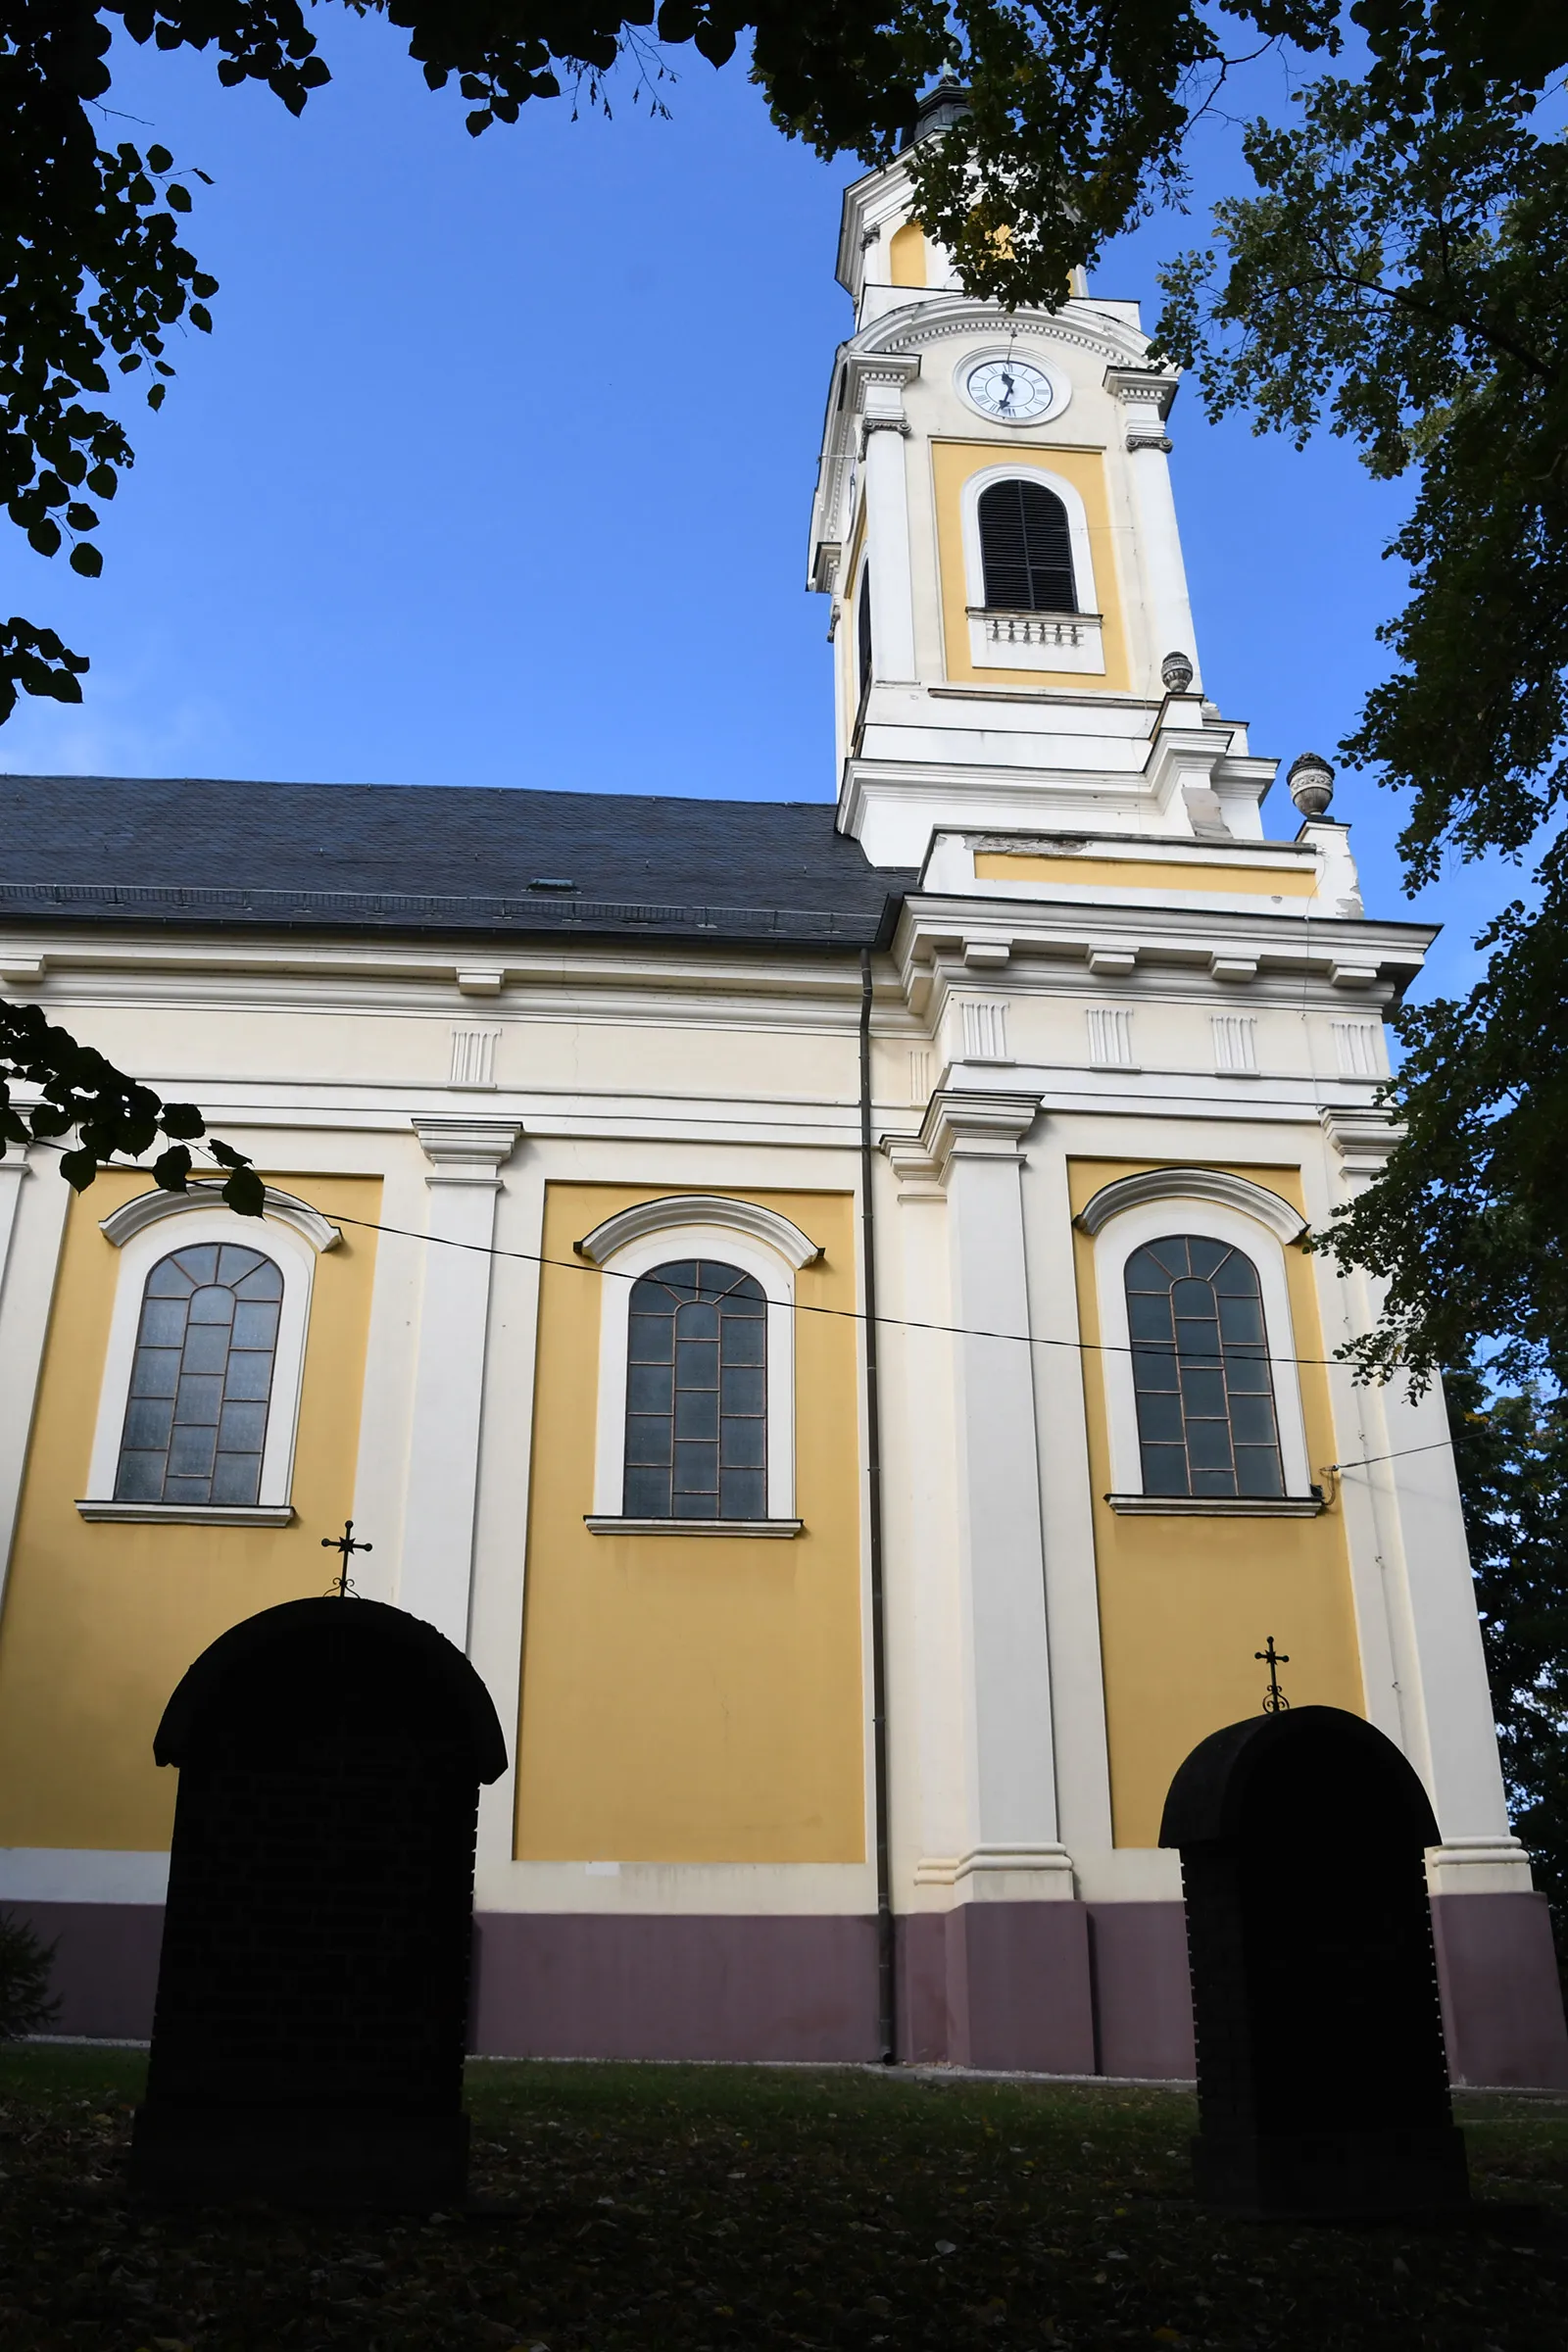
1217 1506
190 1515
767 1527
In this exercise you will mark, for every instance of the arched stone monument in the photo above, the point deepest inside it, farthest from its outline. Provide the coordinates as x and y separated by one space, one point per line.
308 2036
1322 2085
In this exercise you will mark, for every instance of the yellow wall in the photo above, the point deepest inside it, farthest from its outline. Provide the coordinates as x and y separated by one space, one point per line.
101 1621
906 255
952 463
696 1698
1184 1603
1145 873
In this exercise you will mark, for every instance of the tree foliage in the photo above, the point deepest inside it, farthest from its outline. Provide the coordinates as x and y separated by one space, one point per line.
26 1963
66 1086
1511 1451
1401 277
1401 272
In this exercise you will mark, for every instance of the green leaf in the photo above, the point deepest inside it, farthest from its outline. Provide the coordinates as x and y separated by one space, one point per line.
177 199
172 1169
155 397
245 1193
44 538
159 159
78 1169
201 316
86 559
80 517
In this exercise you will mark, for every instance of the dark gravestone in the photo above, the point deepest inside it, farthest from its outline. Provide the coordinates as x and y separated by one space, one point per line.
1322 2088
308 2036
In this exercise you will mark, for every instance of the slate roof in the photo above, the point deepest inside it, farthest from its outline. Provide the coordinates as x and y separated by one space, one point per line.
418 860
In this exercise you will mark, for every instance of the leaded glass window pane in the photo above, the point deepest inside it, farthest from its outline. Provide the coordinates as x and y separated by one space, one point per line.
1206 1423
696 1395
202 1378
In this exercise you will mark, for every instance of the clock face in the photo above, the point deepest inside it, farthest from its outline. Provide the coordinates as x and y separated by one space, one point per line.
1012 391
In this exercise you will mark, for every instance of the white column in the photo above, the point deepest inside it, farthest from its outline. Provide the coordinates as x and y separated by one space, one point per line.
1145 397
28 1260
1435 1634
13 1168
465 1156
1013 1846
887 535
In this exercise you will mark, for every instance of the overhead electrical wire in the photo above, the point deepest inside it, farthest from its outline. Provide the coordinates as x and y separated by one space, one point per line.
852 1315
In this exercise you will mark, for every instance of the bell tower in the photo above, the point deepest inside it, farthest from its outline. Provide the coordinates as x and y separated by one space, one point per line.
994 526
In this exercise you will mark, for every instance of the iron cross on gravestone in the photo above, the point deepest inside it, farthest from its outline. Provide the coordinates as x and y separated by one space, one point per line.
345 1544
1276 1702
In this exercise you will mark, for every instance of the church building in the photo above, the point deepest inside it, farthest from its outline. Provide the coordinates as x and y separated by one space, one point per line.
812 1298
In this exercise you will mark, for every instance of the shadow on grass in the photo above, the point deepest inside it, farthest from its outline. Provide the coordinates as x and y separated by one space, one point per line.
631 2206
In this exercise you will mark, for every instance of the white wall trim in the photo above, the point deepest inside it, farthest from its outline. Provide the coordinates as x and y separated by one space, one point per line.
1285 1223
149 1208
773 1530
188 1514
679 1210
733 1244
1173 1209
71 1873
284 1241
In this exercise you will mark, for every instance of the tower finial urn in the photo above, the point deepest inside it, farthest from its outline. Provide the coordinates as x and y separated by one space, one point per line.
1311 783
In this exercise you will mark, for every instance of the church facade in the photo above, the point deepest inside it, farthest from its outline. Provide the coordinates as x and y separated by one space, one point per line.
811 1298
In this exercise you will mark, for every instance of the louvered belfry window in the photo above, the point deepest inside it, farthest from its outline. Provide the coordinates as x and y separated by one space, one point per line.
202 1378
1206 1397
697 1394
1025 550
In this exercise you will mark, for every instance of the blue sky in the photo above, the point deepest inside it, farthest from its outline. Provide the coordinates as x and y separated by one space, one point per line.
497 467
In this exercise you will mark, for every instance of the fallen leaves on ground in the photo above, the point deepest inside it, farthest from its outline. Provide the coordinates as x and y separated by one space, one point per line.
619 2207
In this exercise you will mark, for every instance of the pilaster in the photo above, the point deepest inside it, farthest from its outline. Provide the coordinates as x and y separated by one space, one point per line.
1146 396
32 1232
971 1144
466 1157
884 429
1435 1634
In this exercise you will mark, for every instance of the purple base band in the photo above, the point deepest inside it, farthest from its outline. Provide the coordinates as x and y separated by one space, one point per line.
1054 1987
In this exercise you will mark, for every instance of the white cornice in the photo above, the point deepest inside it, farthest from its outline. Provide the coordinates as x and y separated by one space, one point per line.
1363 1138
465 1151
960 1124
942 315
148 1208
563 981
1315 949
1285 1223
674 1210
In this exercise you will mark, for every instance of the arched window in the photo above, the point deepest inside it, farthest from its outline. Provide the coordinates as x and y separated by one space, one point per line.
696 1393
864 632
1025 548
201 1378
1206 1423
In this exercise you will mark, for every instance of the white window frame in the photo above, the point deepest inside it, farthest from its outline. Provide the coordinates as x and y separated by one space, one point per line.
152 1227
987 652
1124 1217
738 1233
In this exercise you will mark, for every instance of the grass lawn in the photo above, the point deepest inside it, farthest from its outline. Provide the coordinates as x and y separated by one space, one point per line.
728 2206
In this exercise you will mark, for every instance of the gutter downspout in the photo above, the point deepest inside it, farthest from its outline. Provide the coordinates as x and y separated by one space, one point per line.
886 1976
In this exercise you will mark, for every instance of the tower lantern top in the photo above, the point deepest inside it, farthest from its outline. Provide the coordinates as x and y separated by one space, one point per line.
995 524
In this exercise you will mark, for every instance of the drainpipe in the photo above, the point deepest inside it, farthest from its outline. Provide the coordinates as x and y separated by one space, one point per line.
886 1977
